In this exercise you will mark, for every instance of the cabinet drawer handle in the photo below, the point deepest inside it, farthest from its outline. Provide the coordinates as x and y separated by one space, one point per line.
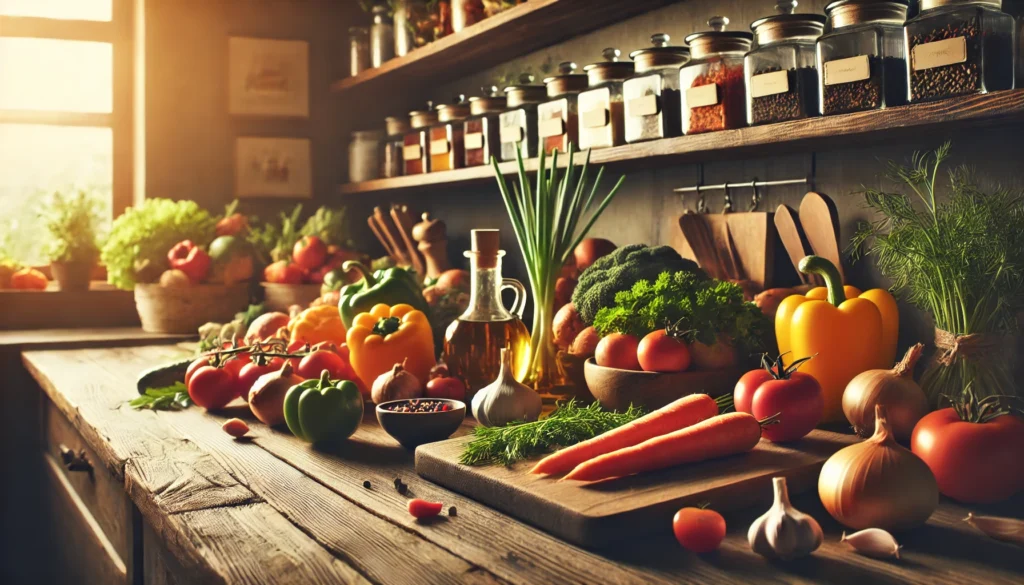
75 461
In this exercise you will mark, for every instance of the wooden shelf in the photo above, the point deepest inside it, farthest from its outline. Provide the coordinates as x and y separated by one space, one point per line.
515 32
828 132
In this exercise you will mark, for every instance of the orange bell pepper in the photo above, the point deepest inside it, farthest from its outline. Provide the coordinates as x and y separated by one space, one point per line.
317 325
386 336
845 331
29 279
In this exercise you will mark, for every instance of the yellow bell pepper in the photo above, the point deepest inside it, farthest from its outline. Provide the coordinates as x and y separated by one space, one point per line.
386 336
847 332
317 324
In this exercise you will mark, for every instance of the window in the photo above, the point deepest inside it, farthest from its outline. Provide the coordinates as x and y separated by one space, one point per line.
66 111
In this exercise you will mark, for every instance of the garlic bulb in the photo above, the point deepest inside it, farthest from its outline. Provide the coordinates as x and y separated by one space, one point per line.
873 542
505 400
784 532
395 384
1005 529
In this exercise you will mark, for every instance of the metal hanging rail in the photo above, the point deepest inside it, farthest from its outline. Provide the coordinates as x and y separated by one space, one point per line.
755 184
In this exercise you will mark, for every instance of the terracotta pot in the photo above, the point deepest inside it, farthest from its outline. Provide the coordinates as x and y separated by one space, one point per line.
72 276
184 309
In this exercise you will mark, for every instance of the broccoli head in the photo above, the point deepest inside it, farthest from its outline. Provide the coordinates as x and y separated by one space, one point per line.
619 270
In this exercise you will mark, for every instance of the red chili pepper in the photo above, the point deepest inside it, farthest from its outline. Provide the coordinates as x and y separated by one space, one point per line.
424 509
190 259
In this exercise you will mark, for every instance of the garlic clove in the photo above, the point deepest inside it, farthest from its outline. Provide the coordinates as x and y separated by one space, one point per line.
873 542
784 532
1005 529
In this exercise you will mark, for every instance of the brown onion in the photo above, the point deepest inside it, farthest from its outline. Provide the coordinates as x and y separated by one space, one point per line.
878 483
266 399
895 389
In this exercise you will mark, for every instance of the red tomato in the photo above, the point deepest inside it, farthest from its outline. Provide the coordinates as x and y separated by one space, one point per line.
316 362
975 463
283 272
743 395
798 401
659 352
618 350
198 363
424 509
700 531
212 388
446 387
309 252
251 371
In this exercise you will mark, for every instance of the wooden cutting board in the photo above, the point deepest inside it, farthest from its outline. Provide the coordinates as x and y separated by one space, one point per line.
598 515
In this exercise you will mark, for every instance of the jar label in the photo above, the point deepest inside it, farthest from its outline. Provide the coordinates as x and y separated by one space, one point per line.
474 140
439 146
769 83
511 134
551 127
939 53
596 118
847 70
411 152
702 95
643 106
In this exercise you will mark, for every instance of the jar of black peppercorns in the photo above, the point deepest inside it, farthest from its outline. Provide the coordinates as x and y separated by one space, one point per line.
651 96
782 80
959 47
861 59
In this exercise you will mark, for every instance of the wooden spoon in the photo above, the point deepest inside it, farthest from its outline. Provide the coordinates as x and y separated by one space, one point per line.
820 219
698 236
789 233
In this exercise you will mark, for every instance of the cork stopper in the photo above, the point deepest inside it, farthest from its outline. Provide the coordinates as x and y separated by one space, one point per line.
486 244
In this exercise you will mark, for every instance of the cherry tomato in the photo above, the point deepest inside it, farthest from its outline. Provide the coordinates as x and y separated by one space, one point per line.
424 509
700 531
975 463
212 388
660 352
309 252
446 387
618 350
251 371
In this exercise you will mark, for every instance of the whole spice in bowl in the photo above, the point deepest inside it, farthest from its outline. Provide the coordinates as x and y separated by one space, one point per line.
416 421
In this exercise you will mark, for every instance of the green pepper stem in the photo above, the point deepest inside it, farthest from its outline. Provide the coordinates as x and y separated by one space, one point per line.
829 272
387 326
351 265
325 379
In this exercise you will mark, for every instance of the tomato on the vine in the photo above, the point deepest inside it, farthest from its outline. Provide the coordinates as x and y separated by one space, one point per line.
195 365
796 397
317 361
699 530
212 388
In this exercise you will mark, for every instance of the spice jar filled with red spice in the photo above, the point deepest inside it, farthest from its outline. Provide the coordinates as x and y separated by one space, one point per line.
713 93
782 79
518 123
447 150
481 135
601 121
651 96
395 127
959 47
557 118
414 147
861 59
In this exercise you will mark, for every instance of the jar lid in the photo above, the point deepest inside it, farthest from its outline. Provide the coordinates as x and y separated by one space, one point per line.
395 125
567 80
369 135
787 25
423 118
525 92
457 110
929 4
842 13
489 101
659 54
358 31
718 40
610 69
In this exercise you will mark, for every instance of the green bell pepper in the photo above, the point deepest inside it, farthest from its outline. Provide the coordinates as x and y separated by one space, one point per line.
390 287
322 410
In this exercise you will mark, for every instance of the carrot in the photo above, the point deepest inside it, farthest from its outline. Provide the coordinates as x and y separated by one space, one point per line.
727 434
682 413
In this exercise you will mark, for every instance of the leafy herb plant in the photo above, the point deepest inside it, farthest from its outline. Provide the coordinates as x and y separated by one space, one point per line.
71 221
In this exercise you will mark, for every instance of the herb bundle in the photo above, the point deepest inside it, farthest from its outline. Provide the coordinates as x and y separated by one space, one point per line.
173 397
961 259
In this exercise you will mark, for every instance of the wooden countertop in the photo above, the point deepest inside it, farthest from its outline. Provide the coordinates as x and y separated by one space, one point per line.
271 509
22 340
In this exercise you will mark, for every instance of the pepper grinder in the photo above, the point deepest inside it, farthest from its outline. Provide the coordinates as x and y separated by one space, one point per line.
431 236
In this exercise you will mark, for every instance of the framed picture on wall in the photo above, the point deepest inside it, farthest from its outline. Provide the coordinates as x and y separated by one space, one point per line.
273 167
268 77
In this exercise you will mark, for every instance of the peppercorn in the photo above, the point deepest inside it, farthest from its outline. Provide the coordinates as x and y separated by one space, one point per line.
452 511
366 484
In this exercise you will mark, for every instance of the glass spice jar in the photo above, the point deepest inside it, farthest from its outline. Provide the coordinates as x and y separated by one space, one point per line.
466 13
441 17
414 147
959 47
861 59
395 127
359 50
364 155
651 96
713 94
382 35
518 123
481 134
601 118
782 79
447 148
414 26
557 118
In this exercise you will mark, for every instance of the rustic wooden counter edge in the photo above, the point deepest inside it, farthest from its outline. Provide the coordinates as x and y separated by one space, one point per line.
271 509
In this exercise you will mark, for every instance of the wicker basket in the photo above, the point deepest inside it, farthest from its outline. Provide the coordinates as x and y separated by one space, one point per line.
278 297
183 310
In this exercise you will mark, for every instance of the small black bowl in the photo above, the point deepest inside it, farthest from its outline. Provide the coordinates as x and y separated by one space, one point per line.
416 428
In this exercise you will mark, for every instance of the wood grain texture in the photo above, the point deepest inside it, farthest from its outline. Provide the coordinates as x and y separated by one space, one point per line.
52 309
841 131
819 220
789 232
29 339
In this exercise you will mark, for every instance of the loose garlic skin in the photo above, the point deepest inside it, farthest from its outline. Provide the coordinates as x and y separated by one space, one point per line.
784 532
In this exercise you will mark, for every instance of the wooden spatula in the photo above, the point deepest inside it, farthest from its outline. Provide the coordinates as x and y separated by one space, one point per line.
819 218
724 248
789 233
698 236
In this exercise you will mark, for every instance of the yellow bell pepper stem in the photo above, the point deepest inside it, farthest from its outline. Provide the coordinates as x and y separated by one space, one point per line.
827 271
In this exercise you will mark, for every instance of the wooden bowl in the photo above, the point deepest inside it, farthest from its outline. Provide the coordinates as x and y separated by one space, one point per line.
617 389
412 429
165 309
278 297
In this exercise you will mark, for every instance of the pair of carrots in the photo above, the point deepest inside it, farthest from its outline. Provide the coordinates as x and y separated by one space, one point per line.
686 431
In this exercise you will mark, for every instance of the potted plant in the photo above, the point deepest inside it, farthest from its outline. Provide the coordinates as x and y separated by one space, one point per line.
71 221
